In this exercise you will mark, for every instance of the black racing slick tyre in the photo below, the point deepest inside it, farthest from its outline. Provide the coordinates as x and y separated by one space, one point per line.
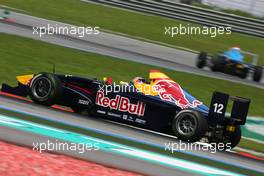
201 60
189 125
243 74
235 137
45 89
230 140
257 73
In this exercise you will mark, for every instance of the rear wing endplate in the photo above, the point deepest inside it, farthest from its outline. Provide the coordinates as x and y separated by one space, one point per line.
218 108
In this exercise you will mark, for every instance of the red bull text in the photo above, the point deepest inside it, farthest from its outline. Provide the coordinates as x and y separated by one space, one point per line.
120 103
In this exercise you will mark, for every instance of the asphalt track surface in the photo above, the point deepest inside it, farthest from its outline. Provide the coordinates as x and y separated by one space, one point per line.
117 46
122 131
113 45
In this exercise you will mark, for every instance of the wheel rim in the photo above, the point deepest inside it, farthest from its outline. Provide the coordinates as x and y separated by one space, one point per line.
41 88
186 125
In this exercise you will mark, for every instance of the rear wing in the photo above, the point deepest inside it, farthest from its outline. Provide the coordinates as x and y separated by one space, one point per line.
218 108
254 56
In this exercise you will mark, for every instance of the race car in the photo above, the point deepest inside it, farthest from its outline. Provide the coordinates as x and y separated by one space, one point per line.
231 62
159 104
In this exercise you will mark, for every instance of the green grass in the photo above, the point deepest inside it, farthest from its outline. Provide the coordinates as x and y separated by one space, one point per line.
140 145
133 24
251 145
25 56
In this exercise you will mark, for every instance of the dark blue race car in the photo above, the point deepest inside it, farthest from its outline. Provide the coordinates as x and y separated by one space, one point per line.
160 104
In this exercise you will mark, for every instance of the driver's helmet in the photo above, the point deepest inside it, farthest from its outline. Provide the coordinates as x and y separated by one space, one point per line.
235 48
138 80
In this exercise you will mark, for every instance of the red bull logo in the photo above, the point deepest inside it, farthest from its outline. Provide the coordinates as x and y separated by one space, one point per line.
120 103
170 91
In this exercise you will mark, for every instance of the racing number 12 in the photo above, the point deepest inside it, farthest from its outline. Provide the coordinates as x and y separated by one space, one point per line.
218 108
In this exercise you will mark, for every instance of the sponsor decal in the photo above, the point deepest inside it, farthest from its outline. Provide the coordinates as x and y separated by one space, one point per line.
84 102
169 90
101 112
120 103
141 121
114 114
128 118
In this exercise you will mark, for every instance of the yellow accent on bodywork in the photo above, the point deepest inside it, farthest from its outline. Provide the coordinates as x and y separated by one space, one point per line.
24 79
240 66
230 128
157 75
146 89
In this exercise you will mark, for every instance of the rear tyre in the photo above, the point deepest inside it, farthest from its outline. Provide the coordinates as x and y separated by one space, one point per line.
45 89
189 125
230 141
257 73
201 60
243 74
235 137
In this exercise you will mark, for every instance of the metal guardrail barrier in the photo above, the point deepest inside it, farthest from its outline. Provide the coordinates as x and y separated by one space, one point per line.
254 7
192 14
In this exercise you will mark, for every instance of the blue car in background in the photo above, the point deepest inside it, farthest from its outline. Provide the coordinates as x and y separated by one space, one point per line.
232 62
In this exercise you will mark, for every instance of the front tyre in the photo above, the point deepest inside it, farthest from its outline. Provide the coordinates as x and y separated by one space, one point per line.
201 60
189 125
257 73
45 89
